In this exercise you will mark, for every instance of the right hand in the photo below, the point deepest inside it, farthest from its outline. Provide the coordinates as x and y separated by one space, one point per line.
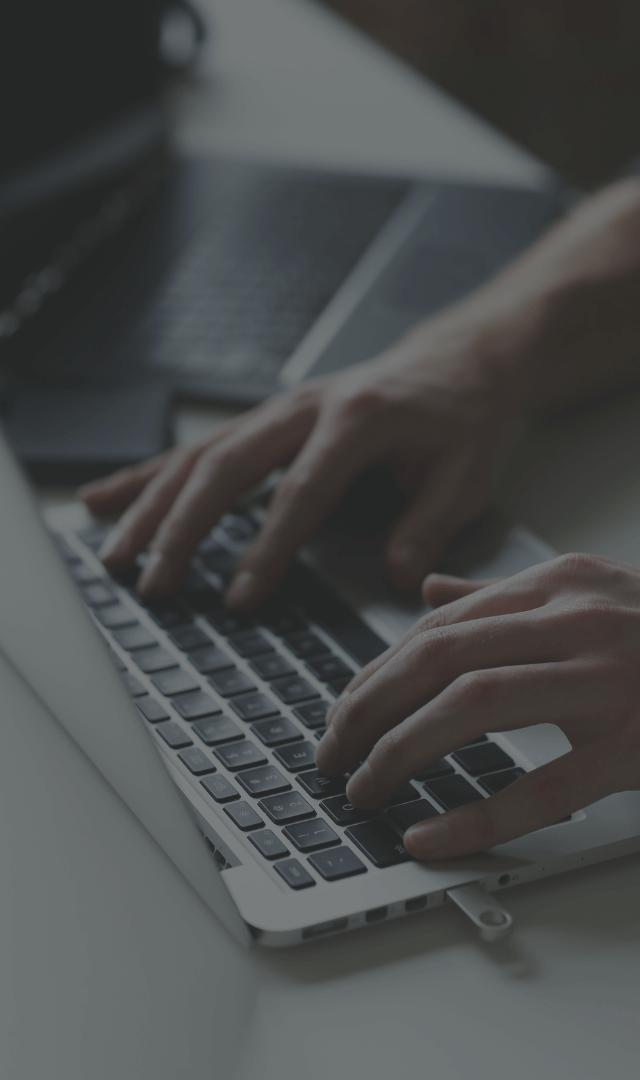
428 409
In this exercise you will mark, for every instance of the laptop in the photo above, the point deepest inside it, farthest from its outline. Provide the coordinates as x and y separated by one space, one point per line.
220 277
206 725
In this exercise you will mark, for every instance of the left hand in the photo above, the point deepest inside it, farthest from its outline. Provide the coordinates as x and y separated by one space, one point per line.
558 643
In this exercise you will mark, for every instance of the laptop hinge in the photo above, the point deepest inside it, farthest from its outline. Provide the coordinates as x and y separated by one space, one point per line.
486 913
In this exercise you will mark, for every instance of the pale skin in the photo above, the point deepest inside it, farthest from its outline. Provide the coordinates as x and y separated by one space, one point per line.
559 641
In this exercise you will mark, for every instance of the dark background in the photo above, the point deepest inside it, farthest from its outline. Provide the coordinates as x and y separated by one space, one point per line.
562 77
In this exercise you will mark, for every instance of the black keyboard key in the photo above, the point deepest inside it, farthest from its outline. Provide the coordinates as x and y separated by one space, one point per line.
175 681
225 622
151 709
269 844
297 756
265 780
94 536
379 843
306 645
276 731
254 706
134 637
483 758
335 615
132 685
337 863
99 595
251 643
189 637
495 782
83 574
408 814
197 762
244 816
311 835
272 666
329 668
283 621
196 704
220 789
452 791
285 808
215 730
239 527
404 794
115 617
313 714
240 755
343 812
442 767
154 659
173 735
322 787
337 686
230 682
294 874
210 658
293 689
166 616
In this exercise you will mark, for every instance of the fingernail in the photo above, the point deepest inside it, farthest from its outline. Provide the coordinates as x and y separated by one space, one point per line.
242 590
427 841
113 548
361 788
156 576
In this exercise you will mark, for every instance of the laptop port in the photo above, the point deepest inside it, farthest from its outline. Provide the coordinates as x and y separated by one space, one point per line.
377 914
417 903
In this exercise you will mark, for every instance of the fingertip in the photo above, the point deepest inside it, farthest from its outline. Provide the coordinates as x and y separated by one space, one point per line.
405 566
437 588
244 592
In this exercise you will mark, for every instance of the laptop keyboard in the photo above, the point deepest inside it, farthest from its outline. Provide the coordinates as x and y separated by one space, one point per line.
241 703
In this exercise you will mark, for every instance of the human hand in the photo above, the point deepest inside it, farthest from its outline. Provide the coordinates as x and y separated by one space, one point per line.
429 410
558 643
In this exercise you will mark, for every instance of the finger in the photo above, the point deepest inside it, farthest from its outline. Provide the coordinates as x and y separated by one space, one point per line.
114 493
570 694
222 474
416 674
520 593
539 799
438 589
314 485
439 508
139 522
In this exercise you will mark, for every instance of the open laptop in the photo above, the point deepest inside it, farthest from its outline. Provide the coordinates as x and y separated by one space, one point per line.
206 726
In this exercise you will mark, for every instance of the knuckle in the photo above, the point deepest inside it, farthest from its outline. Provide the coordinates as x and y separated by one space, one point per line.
578 564
477 689
362 403
436 641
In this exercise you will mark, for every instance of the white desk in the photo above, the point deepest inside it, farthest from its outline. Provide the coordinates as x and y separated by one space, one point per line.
110 966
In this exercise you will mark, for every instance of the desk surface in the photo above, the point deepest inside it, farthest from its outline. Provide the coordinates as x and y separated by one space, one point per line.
110 965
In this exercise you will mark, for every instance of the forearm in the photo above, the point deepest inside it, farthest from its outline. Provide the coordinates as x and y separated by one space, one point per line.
563 321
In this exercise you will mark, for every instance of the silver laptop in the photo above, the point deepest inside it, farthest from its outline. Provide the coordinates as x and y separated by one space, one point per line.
206 726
